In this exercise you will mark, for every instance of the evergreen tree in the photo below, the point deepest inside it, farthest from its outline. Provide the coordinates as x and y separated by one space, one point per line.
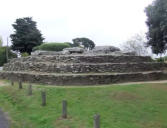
157 24
26 35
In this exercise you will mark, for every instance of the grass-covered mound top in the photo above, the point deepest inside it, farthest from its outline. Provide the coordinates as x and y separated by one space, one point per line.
130 106
52 46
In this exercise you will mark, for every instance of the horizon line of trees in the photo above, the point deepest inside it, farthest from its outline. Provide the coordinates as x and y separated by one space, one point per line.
27 36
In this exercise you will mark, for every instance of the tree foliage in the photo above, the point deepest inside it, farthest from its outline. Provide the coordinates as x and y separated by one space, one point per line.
87 43
26 35
136 44
1 41
52 46
3 55
157 24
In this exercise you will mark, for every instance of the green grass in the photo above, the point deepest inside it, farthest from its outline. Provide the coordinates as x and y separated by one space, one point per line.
130 106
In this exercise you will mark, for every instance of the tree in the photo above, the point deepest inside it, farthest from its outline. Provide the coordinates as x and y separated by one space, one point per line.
1 41
157 25
26 35
3 59
87 43
136 44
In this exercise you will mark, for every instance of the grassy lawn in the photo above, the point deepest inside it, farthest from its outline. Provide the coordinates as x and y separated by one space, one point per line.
130 106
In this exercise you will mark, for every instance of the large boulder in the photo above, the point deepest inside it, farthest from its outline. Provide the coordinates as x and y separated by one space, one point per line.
104 49
65 51
41 52
73 50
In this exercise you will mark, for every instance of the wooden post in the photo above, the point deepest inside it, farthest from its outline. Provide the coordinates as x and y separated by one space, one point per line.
20 85
30 90
64 109
97 121
43 95
12 82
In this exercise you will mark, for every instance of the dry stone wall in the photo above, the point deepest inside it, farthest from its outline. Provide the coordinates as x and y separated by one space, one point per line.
73 79
81 64
84 59
84 69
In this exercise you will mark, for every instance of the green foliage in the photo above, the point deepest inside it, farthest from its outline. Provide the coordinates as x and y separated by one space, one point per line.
130 106
52 46
1 42
71 44
161 59
3 55
87 43
26 35
36 48
157 24
25 54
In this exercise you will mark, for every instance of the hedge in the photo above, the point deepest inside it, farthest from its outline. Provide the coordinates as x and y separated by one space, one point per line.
52 46
3 55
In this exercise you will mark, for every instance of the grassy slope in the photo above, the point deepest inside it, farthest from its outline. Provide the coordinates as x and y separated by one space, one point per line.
131 106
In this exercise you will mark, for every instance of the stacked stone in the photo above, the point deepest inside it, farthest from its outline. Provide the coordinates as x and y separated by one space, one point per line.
84 69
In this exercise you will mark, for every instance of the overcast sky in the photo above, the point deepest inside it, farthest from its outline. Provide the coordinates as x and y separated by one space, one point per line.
106 22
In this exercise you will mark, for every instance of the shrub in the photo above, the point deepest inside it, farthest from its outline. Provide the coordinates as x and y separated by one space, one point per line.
24 54
52 46
160 60
36 48
3 55
71 44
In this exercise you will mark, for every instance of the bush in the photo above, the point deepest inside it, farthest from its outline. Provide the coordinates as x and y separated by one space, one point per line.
24 54
160 60
3 55
36 48
52 46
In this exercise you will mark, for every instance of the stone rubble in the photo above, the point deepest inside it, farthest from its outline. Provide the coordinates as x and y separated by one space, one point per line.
103 65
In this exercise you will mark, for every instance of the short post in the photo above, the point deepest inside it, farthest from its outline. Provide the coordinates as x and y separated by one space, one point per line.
20 85
64 109
43 95
97 121
30 90
12 83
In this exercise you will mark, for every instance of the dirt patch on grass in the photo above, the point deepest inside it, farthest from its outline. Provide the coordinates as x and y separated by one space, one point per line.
2 83
123 95
69 123
152 124
158 86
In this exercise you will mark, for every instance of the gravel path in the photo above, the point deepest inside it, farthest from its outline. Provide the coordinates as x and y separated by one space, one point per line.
3 120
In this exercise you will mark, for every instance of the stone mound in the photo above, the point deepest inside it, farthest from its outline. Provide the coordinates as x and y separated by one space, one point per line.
82 79
84 69
98 50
